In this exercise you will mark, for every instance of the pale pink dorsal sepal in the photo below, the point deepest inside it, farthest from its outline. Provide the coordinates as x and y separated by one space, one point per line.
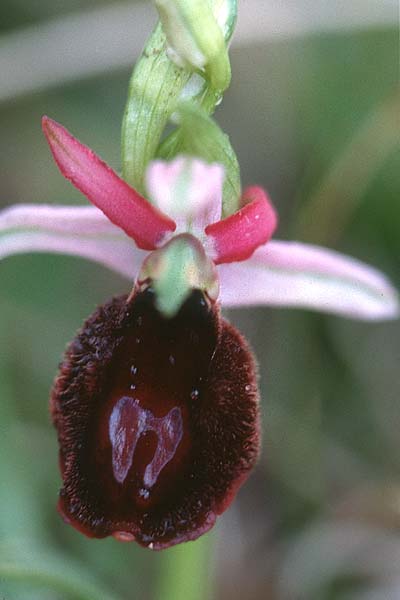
293 274
237 237
187 189
122 205
82 231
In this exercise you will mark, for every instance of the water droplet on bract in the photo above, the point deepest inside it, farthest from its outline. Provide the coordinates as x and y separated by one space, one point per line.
132 386
134 370
194 394
138 340
171 360
247 388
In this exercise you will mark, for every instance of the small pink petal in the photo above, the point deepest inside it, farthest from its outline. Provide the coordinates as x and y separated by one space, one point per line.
78 231
236 237
187 189
122 205
299 275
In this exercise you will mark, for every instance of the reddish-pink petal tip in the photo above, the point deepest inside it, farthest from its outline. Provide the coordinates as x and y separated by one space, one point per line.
122 205
236 237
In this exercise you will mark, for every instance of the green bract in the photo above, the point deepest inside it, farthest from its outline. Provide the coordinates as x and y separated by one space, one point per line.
199 135
196 38
154 89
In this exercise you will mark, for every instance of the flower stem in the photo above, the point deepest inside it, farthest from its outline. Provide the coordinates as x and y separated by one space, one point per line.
185 571
158 85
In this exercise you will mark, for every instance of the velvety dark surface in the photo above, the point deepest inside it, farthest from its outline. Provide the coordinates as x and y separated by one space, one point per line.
157 420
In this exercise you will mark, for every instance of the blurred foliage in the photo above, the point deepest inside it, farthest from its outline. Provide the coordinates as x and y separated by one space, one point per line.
319 519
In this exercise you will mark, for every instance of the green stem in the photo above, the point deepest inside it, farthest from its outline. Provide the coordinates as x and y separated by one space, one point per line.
185 571
158 85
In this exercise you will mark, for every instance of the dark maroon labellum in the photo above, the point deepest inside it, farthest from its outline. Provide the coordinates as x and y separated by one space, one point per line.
157 421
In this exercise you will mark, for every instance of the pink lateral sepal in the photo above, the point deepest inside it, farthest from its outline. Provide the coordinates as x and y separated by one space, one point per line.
121 204
236 237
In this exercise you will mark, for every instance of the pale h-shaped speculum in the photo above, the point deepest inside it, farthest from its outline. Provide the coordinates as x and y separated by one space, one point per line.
128 421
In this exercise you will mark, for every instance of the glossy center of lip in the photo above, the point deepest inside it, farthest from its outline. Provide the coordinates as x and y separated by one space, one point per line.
141 432
128 421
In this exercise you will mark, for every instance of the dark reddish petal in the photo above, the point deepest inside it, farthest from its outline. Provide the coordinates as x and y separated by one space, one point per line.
157 421
236 237
101 185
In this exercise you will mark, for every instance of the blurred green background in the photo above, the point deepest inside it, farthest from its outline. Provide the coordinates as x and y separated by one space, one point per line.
313 119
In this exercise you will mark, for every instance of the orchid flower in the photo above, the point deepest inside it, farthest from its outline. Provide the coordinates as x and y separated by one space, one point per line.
156 403
157 383
123 227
